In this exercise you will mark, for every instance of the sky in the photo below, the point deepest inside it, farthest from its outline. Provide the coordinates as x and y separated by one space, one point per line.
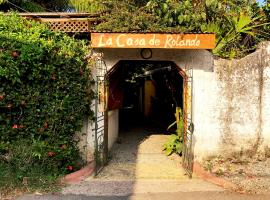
260 1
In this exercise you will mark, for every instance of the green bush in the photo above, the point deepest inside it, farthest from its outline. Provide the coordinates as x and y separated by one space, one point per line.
44 96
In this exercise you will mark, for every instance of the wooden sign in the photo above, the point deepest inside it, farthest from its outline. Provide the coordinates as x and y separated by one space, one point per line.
150 40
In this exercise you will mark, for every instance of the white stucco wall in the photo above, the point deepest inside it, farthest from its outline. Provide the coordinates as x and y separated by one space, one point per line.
113 127
231 109
206 138
266 94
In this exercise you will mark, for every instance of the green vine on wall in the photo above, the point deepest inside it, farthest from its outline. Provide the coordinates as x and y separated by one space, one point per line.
44 96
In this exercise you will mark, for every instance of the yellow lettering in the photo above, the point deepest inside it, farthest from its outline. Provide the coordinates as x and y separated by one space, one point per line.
129 42
101 43
118 40
168 41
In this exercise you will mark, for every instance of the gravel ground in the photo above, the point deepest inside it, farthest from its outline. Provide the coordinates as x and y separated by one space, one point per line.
249 175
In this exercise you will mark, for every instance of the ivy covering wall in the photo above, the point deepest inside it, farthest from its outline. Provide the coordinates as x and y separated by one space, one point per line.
44 96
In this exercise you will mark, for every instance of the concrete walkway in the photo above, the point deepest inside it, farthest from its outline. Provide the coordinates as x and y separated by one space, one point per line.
138 155
139 166
139 170
156 196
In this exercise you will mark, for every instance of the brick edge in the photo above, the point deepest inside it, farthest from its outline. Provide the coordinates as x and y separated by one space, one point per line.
79 175
207 176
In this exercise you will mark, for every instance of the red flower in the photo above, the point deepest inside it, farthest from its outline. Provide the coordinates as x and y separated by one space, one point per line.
46 125
1 97
69 168
63 146
15 54
51 154
15 126
81 71
53 77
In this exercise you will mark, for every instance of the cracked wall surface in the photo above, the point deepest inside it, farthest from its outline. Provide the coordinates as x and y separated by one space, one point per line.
231 98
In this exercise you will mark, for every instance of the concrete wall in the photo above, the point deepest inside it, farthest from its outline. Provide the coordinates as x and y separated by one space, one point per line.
265 60
242 108
113 127
231 98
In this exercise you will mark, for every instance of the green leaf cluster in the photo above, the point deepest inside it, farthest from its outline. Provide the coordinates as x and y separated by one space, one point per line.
181 15
175 141
44 96
239 25
173 145
21 5
125 15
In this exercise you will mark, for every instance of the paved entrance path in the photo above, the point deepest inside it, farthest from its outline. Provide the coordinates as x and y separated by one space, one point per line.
138 155
139 166
139 170
156 196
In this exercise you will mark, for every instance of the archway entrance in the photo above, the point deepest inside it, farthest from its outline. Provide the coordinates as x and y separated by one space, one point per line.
143 97
145 92
143 104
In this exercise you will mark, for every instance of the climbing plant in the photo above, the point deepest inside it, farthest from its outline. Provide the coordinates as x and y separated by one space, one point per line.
44 96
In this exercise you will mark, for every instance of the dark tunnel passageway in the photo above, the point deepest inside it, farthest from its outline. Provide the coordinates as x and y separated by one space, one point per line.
146 93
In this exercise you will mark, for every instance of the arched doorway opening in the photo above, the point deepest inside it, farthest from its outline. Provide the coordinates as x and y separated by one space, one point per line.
142 98
146 93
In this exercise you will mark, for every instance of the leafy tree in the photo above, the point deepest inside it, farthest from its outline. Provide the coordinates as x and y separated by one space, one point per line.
124 15
35 5
239 25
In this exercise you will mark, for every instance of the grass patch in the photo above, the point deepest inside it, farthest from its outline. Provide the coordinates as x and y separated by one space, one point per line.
12 183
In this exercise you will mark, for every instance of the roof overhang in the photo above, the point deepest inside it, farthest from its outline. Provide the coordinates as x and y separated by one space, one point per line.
153 40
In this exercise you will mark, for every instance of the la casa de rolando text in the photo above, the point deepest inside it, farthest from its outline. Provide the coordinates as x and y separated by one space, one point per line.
166 41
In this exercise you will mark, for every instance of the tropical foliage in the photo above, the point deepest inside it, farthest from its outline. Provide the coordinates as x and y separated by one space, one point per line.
173 145
239 25
175 141
91 6
44 96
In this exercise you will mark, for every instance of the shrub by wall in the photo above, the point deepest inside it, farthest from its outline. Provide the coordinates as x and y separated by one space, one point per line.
44 96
